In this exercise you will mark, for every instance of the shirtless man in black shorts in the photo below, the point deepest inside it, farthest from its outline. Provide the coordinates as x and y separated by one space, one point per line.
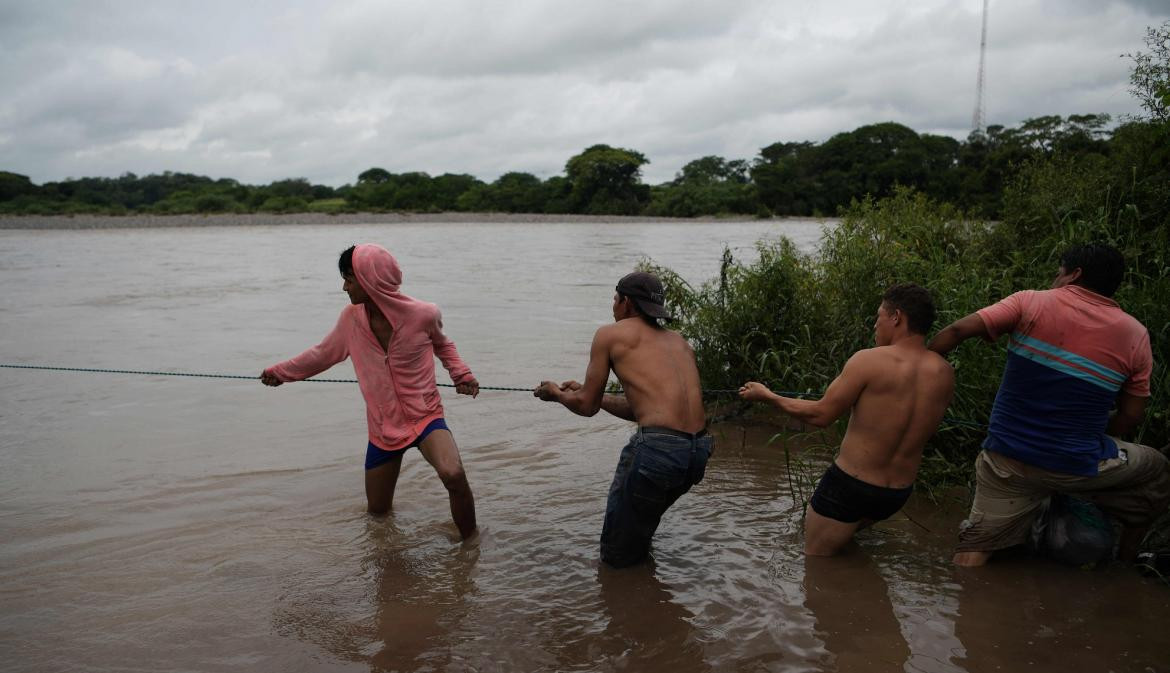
897 393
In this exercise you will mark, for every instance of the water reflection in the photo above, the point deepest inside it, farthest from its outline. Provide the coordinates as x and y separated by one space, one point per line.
421 599
1028 613
389 600
854 617
646 629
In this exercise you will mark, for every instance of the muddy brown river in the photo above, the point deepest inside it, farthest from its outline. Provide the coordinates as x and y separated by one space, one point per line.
154 523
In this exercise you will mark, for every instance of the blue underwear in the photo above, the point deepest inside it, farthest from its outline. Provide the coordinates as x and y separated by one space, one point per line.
375 456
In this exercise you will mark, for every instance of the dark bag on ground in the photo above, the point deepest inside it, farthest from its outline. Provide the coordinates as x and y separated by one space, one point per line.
1073 531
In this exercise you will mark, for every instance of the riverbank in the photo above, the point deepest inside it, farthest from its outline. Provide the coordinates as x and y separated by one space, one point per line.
271 219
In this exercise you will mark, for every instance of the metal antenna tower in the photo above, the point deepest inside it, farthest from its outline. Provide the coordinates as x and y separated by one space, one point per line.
977 120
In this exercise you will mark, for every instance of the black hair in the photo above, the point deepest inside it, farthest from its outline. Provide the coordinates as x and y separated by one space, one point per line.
650 320
1102 267
914 302
345 262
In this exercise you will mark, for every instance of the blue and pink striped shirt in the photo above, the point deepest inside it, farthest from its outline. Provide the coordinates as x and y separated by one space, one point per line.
1071 351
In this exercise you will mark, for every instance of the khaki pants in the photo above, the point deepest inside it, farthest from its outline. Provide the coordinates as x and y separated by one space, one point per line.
1133 488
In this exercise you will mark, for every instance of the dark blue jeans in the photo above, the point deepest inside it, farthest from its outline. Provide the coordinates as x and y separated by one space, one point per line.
655 468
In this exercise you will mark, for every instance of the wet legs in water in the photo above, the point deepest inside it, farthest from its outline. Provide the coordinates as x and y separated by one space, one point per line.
441 452
826 537
380 483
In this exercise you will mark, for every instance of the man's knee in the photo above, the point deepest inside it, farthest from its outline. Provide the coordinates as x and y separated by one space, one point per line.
826 543
454 478
825 536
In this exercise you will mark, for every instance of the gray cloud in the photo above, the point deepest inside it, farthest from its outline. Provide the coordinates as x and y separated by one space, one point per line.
262 91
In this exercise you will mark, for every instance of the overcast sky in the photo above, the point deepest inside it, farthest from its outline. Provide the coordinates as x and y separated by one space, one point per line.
260 91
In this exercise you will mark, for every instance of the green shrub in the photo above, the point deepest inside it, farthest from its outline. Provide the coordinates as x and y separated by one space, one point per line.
284 204
330 206
214 203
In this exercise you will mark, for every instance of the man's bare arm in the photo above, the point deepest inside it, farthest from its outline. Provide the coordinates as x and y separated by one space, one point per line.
839 398
584 399
619 406
1128 415
949 337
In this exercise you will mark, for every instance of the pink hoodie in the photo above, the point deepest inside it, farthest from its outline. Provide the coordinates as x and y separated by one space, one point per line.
399 382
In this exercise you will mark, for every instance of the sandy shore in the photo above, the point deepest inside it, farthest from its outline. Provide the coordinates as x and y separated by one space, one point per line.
266 219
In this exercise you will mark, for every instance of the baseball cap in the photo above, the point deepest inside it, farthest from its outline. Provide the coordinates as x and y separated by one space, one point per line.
646 290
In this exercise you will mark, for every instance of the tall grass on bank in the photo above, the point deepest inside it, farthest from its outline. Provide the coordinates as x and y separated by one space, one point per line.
791 320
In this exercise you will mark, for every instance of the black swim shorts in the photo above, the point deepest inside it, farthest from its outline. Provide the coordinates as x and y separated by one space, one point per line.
848 499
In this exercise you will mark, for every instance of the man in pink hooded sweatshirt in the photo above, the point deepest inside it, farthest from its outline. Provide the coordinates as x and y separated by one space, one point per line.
393 340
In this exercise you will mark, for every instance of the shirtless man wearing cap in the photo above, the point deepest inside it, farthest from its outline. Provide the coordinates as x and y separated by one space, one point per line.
668 453
896 395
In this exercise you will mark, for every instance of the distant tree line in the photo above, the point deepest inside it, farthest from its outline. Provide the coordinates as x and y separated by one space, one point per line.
785 178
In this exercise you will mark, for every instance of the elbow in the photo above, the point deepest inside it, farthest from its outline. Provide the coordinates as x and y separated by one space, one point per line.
1123 425
819 417
582 407
945 341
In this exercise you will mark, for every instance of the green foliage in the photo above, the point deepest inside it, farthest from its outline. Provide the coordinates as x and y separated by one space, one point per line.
166 193
374 176
330 206
378 190
873 160
13 185
713 169
214 203
707 186
607 181
284 204
1150 79
803 178
747 323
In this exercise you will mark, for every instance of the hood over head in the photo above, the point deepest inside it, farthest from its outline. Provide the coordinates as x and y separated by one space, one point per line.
378 273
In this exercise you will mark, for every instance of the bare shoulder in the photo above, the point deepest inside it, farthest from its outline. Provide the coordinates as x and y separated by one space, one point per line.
630 328
868 358
607 334
938 364
673 340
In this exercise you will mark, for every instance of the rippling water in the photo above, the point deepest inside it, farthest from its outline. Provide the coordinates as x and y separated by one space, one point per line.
156 523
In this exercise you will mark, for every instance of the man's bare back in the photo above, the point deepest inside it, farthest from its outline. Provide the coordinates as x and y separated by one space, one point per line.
657 371
905 392
655 366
